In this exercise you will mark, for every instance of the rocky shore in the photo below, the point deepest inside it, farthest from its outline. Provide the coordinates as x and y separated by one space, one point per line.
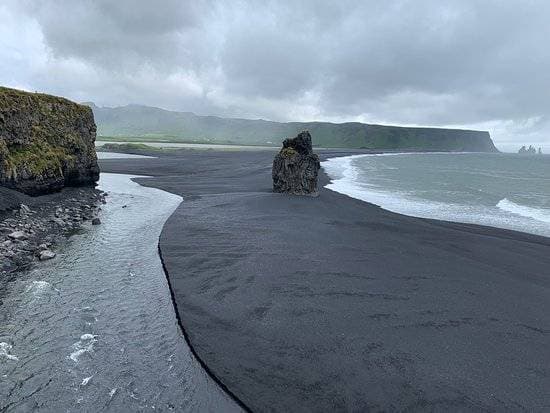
47 150
30 233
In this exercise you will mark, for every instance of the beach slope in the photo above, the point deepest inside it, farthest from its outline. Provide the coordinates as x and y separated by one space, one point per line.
333 304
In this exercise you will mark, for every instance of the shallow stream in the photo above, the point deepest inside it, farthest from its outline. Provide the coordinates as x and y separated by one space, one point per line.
95 329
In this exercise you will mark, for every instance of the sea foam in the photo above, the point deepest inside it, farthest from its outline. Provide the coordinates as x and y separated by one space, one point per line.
345 179
542 215
86 380
347 176
82 346
38 287
5 352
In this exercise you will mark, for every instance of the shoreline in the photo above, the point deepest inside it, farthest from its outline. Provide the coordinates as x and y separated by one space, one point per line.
334 303
32 228
187 340
348 185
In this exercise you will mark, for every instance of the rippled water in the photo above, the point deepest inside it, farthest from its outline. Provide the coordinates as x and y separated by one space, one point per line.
501 190
95 328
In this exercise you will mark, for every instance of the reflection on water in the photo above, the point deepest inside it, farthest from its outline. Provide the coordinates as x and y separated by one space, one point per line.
95 329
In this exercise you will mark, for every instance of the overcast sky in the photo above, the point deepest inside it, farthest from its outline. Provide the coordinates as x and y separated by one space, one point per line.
466 63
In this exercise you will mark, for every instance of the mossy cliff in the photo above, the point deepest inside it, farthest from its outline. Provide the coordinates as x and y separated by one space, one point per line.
46 143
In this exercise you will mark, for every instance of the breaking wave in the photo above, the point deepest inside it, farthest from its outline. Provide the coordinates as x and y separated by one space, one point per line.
82 346
348 176
542 215
5 352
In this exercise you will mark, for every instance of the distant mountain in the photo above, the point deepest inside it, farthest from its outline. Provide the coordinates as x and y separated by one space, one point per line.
155 123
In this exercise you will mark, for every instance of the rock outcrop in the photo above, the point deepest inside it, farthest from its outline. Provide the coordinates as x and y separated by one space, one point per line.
295 167
46 143
529 151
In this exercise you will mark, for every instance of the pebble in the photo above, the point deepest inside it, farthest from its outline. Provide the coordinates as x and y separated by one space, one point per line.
59 221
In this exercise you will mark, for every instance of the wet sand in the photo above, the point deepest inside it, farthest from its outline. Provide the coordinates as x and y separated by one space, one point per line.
330 303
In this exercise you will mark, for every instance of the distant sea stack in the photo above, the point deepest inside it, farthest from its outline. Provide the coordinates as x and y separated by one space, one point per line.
46 143
295 167
529 151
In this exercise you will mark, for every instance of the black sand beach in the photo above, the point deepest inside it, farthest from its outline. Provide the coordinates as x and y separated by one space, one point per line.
333 304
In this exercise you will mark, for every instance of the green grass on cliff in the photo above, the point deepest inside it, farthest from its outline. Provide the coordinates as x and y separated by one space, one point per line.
19 99
36 145
38 158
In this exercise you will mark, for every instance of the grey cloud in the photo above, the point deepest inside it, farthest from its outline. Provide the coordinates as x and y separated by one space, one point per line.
458 62
120 35
480 53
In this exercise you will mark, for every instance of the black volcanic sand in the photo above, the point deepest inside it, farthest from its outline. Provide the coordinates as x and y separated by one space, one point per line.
330 303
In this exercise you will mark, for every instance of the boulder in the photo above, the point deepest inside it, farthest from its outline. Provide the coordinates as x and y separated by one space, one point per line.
46 255
6 264
46 143
18 235
295 167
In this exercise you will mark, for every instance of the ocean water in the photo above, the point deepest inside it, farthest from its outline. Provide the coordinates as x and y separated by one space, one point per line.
500 190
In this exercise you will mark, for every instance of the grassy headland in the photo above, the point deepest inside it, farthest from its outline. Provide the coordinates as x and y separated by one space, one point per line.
143 124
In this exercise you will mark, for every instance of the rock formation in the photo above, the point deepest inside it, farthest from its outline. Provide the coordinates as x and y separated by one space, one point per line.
529 151
46 143
295 167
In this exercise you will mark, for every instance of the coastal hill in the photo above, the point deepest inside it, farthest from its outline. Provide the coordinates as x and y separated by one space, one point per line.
46 143
159 124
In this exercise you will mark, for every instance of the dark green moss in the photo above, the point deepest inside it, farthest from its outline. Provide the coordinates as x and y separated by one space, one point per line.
37 159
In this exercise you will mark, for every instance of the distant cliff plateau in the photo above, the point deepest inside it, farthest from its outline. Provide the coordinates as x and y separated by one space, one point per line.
46 143
157 124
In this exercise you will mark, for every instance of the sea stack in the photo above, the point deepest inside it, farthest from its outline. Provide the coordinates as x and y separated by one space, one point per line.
46 143
295 167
